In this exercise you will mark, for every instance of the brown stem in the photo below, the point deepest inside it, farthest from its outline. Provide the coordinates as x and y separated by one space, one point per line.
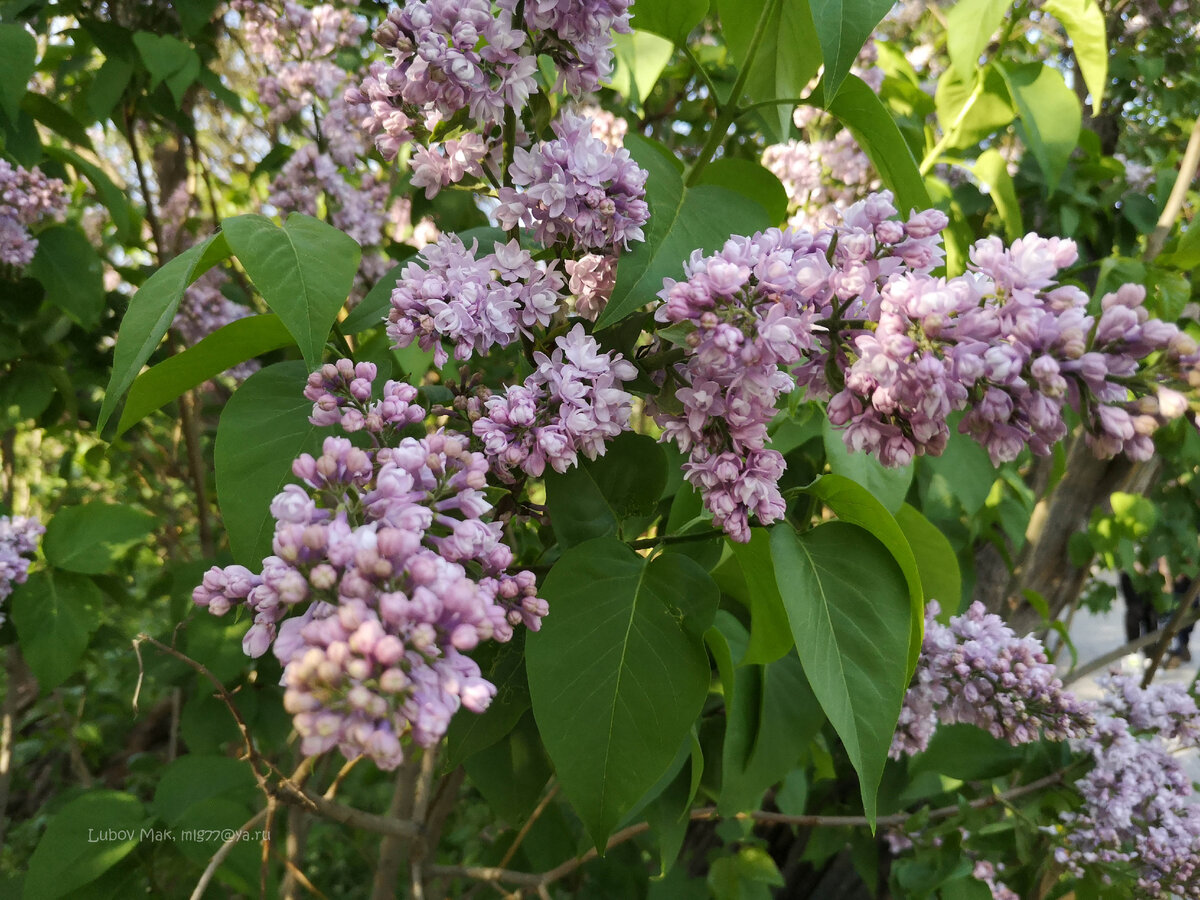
391 848
538 880
8 455
345 815
191 437
1187 173
422 794
533 817
1176 623
12 668
220 856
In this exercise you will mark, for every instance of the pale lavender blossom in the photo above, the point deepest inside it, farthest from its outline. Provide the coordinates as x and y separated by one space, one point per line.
18 542
27 198
577 35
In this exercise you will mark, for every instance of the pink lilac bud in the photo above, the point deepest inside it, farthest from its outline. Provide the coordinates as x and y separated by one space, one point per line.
573 403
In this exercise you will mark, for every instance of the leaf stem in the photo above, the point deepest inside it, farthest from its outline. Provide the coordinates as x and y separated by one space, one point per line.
700 70
951 134
646 543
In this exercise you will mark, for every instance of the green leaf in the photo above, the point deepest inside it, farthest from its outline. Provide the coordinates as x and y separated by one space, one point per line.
1187 254
850 613
225 348
263 428
150 314
25 392
192 780
511 773
90 537
966 752
788 55
115 199
673 19
853 503
639 60
769 635
168 59
304 270
961 477
1083 21
752 181
85 839
1050 115
18 57
773 717
843 26
992 169
593 498
681 220
970 25
618 672
941 579
990 111
857 107
504 666
55 614
193 16
108 86
888 485
71 272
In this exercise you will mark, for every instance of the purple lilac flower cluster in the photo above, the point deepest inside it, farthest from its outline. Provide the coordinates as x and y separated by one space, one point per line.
368 599
18 541
976 671
447 55
573 403
27 197
753 307
476 301
578 37
575 189
1138 806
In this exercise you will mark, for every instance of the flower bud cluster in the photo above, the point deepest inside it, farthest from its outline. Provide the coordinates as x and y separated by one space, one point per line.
27 197
573 403
591 279
578 37
387 568
976 671
341 395
18 541
575 189
475 301
752 308
1138 805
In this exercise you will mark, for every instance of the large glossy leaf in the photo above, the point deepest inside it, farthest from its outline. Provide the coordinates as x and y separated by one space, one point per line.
769 637
843 26
990 110
86 838
194 779
752 181
941 578
512 772
263 427
681 220
225 348
857 107
673 19
853 503
970 25
1084 24
304 270
639 60
787 58
71 272
1050 115
594 497
888 485
618 672
992 170
18 56
849 609
150 314
88 538
55 614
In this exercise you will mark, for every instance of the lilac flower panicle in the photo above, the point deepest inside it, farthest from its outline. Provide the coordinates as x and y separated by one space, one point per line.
578 37
387 568
575 189
574 403
476 301
976 671
18 543
27 198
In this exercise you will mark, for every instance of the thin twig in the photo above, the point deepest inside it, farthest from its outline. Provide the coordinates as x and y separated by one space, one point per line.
343 814
219 857
533 817
391 848
1112 656
1173 627
422 794
1187 173
7 718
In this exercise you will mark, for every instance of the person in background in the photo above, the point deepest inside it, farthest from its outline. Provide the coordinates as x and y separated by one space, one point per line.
1141 617
1180 652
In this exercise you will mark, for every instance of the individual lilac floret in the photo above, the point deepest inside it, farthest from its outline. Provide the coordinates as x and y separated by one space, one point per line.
476 301
341 395
18 541
386 568
577 35
27 197
976 671
446 56
1138 805
574 403
438 165
574 189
